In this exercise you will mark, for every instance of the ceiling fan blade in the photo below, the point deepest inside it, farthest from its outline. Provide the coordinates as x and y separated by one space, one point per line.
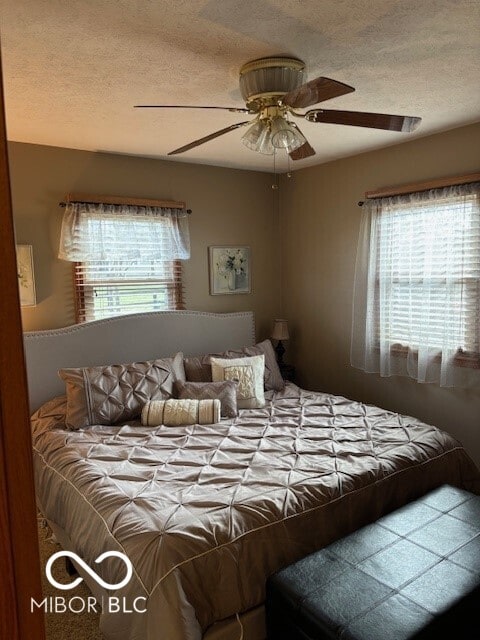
186 106
315 91
364 119
305 151
211 136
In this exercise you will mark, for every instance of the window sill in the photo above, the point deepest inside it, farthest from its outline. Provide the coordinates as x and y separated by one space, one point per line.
467 359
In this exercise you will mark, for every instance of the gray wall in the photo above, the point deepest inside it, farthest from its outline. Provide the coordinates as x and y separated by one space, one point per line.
229 207
303 261
319 230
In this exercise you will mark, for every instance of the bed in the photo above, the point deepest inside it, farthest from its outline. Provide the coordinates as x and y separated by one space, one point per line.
206 512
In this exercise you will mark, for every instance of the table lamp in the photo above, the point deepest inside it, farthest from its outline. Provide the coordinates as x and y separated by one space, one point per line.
280 333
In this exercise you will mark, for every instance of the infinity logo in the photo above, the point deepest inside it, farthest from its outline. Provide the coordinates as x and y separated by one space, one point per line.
91 573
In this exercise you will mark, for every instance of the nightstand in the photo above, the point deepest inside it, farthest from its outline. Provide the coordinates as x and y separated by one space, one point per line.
287 371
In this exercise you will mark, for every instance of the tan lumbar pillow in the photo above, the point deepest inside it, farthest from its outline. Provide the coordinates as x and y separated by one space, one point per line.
178 412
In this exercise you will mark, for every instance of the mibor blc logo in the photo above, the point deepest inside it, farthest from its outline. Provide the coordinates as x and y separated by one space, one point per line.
91 572
78 604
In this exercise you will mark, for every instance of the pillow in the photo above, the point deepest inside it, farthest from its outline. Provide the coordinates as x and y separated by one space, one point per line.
249 372
50 415
176 412
225 391
198 368
114 393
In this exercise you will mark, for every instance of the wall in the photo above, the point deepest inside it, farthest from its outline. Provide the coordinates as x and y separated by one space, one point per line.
319 229
229 207
319 221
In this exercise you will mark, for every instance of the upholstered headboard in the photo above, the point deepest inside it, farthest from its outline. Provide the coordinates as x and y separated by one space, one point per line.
130 338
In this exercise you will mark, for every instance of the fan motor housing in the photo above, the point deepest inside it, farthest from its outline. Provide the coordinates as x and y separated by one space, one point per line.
265 81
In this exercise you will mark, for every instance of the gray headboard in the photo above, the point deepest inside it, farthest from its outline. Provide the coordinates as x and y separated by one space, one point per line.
130 338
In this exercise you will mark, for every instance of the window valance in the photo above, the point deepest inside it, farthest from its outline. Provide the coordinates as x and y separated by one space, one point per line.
104 231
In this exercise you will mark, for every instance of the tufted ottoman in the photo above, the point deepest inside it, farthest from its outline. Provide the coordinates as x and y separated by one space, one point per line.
414 573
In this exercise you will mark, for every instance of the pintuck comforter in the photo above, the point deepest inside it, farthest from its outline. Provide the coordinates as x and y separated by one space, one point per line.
206 513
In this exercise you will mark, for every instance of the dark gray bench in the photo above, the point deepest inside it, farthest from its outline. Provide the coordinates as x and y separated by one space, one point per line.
414 573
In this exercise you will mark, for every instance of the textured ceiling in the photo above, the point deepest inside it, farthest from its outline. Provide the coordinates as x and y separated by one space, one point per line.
73 70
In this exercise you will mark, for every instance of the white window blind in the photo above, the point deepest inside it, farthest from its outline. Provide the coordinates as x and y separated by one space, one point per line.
428 268
418 272
127 258
106 288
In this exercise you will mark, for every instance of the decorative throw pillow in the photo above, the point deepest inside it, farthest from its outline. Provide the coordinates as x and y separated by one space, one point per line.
198 368
249 372
50 415
225 391
175 412
114 393
273 380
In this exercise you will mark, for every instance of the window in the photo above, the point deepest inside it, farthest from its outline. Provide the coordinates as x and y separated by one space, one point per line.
418 272
127 258
107 288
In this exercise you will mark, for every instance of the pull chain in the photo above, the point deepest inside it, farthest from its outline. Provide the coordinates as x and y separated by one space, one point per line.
289 171
275 181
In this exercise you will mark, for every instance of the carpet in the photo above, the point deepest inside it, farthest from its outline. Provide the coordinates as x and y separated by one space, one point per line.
66 625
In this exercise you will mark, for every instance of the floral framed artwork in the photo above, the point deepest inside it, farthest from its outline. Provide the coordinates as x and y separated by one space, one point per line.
26 280
230 270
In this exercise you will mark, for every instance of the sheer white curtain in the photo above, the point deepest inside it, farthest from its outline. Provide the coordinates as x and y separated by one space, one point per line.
108 232
416 307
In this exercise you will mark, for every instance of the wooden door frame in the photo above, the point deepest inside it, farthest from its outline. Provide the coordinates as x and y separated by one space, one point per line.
19 554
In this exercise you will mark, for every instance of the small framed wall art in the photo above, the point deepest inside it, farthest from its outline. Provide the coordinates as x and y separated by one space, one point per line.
229 269
26 279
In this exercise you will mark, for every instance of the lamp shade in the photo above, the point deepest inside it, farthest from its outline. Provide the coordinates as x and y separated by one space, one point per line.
257 137
253 133
264 144
280 330
285 136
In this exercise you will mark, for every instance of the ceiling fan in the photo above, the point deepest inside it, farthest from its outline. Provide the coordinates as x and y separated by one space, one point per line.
273 90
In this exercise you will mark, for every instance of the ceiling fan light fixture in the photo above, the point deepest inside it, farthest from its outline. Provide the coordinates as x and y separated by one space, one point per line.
285 136
257 138
270 77
273 89
252 134
265 145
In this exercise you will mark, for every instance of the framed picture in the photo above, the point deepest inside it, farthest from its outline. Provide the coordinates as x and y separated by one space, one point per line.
230 270
26 280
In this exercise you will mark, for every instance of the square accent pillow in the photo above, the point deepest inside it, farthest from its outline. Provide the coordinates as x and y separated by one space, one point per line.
225 391
249 373
113 393
198 368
